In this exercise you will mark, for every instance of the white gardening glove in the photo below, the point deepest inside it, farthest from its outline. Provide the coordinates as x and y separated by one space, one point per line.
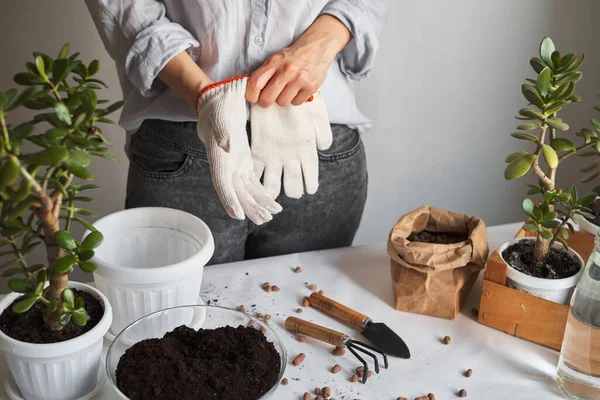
221 110
285 141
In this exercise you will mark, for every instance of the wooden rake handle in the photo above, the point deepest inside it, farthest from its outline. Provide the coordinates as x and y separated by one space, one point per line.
315 331
337 310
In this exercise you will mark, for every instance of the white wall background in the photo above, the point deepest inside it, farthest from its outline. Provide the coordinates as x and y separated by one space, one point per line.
442 96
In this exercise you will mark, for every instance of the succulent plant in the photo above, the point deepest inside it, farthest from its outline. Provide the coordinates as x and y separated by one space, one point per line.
547 94
43 181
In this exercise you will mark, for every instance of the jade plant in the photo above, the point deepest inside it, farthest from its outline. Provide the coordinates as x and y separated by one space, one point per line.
43 172
548 94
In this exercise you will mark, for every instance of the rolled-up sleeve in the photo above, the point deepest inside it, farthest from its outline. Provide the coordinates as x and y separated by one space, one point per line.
365 20
138 35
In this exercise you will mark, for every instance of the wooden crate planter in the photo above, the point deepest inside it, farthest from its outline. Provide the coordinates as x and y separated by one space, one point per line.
521 314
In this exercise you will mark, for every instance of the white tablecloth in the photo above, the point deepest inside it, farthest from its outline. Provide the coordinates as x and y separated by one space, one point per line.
504 367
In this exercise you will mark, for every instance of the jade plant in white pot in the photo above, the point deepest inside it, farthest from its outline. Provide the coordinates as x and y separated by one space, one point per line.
51 330
544 265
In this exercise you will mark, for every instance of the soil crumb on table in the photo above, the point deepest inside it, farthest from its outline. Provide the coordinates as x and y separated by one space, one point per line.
223 363
29 326
559 264
437 237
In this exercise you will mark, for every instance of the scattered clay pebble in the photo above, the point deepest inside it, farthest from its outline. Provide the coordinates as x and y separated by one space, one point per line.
298 360
263 330
267 317
321 292
298 270
431 396
250 324
401 398
326 392
462 393
336 368
422 398
241 308
275 288
284 381
317 391
312 286
354 378
259 315
447 340
469 373
268 289
360 369
369 374
298 310
338 351
306 396
302 338
319 398
266 285
305 302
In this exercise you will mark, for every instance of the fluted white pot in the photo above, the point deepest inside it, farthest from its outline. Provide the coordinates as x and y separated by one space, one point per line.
152 258
57 371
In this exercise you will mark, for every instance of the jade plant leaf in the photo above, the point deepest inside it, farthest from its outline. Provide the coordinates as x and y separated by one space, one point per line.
530 226
65 240
550 156
24 305
562 144
92 241
528 207
543 82
65 264
557 123
80 317
519 167
546 50
19 285
511 157
525 136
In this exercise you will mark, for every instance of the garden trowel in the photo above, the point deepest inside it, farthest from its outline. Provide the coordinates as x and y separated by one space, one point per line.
377 333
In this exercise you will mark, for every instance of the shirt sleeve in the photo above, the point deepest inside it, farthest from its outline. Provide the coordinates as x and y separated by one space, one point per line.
365 20
138 36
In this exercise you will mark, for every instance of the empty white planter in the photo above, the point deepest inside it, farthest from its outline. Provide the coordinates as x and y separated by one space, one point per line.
152 258
556 290
57 371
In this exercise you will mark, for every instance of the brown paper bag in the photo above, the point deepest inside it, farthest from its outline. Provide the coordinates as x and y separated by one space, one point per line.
435 279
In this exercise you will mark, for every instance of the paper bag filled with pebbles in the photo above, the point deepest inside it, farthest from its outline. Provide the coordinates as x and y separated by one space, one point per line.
436 256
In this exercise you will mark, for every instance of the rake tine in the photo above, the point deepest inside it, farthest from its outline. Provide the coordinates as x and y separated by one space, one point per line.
373 356
350 347
376 350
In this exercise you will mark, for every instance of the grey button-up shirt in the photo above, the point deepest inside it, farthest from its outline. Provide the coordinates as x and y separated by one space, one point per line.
227 38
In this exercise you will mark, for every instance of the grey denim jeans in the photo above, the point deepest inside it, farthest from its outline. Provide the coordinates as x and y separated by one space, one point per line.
169 168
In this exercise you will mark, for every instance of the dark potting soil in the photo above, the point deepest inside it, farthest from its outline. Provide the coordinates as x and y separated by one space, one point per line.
559 264
437 237
224 363
29 326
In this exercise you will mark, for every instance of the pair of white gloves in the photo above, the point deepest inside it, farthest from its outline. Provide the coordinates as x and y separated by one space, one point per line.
284 142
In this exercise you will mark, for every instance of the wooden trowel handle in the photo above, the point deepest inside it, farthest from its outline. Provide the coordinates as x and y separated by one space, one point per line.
337 310
315 331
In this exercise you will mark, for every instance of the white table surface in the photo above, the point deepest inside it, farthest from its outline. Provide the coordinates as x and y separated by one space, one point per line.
504 367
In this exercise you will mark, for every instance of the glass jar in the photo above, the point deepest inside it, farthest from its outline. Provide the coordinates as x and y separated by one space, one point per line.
578 375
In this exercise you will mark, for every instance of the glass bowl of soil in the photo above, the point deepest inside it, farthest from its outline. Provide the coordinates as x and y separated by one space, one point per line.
215 354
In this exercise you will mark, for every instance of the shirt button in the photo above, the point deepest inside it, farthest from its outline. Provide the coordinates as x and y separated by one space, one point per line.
258 40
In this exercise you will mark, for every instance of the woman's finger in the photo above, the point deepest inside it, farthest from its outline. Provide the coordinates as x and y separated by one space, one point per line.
302 97
269 94
257 81
289 93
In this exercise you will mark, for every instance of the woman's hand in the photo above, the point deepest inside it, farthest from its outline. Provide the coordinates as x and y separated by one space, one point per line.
295 73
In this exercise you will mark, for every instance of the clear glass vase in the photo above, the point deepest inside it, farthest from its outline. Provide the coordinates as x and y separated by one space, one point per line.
578 375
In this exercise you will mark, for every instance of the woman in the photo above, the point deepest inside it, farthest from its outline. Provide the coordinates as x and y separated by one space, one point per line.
169 54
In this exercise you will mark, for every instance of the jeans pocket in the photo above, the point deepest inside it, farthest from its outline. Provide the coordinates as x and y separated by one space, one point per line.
346 143
152 160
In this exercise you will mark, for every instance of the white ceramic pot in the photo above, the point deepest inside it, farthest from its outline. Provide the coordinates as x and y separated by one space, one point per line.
586 225
556 290
152 258
57 371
